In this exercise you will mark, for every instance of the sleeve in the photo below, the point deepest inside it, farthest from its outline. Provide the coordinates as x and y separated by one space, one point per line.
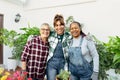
94 54
26 51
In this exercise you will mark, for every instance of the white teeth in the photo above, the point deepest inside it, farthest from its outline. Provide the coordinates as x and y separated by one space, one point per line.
59 30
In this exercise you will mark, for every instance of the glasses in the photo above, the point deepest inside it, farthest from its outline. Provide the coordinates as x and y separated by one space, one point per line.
45 29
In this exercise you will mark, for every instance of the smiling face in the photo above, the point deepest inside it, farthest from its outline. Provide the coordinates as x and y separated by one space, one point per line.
59 28
45 31
59 24
75 30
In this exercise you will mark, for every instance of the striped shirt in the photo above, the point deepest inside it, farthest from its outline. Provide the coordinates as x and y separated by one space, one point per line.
35 55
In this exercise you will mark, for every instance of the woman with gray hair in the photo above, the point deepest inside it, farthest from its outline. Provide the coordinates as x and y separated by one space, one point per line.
34 56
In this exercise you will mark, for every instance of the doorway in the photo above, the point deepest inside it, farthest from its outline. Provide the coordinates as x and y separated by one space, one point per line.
1 45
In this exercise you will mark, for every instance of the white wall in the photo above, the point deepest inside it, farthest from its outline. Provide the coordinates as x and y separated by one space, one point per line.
40 4
9 11
100 18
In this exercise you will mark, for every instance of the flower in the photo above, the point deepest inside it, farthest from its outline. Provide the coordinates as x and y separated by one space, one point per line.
4 77
1 70
16 75
29 78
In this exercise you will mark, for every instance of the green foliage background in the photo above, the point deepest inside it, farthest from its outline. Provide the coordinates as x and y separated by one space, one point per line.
109 56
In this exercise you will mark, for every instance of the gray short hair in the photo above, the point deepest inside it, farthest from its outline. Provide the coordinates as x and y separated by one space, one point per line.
45 24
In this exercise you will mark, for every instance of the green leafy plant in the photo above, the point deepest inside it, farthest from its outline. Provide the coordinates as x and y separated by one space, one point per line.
7 37
113 47
21 40
109 56
104 56
64 75
17 40
69 20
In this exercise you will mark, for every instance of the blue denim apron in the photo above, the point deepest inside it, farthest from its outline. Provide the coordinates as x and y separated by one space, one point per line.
78 65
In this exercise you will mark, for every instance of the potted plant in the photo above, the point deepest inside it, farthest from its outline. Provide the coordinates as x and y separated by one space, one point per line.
7 37
109 56
113 47
17 41
21 40
63 75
